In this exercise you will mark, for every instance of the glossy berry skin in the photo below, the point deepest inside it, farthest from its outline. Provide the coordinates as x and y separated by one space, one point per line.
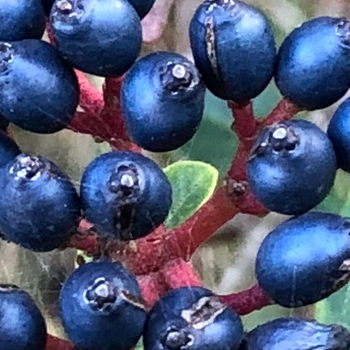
169 114
102 308
192 318
290 333
22 326
305 259
339 133
234 48
125 195
292 167
8 149
39 205
50 106
100 37
142 7
21 19
315 76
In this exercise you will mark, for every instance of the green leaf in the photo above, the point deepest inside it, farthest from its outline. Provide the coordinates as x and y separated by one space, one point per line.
193 183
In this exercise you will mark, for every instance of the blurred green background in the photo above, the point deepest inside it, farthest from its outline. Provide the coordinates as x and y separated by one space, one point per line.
226 262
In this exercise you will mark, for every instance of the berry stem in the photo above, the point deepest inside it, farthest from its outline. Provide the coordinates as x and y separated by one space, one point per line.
244 124
54 343
247 301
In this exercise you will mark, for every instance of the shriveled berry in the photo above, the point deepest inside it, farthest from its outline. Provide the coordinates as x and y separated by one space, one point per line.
339 134
292 167
291 333
21 19
314 63
22 326
102 308
8 149
125 195
234 48
39 92
168 115
192 318
142 7
305 259
100 37
39 205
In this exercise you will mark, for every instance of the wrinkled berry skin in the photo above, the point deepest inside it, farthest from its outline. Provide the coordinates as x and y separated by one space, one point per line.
315 76
170 113
100 37
22 326
125 195
305 259
192 318
102 308
339 133
292 167
8 149
296 334
142 7
50 106
21 19
234 49
39 205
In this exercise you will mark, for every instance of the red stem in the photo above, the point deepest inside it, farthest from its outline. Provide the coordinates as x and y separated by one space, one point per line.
54 343
247 301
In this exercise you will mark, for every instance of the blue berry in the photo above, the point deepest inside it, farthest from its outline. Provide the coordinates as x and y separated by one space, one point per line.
102 308
296 334
305 259
8 149
125 195
39 206
314 63
39 92
192 318
168 115
292 167
21 19
234 48
339 133
142 7
22 326
100 37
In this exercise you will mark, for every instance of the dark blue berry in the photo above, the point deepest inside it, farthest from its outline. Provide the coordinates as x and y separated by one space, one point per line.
172 103
305 259
21 19
142 7
100 37
314 63
125 195
339 134
292 167
39 92
39 206
234 48
22 326
102 308
296 334
192 318
47 4
8 149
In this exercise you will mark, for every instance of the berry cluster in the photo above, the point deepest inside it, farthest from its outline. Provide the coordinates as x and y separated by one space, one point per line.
140 282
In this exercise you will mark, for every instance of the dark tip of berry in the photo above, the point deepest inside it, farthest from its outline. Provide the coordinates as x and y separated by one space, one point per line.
203 312
27 167
8 287
176 339
68 11
6 55
178 77
343 31
345 278
279 137
101 295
